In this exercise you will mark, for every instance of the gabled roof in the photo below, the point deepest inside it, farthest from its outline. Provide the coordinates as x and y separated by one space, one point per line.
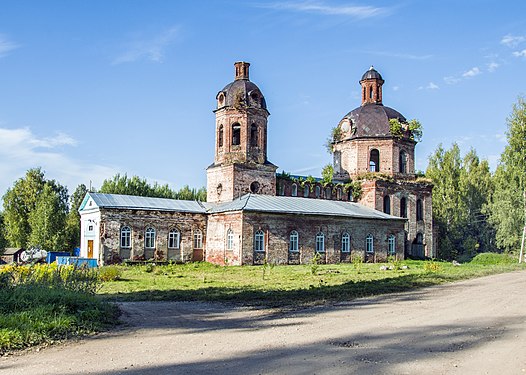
300 206
12 250
141 203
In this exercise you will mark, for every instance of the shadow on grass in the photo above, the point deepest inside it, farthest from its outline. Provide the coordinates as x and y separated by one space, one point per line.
311 295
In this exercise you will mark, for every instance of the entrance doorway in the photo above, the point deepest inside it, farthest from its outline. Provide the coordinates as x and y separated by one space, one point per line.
90 248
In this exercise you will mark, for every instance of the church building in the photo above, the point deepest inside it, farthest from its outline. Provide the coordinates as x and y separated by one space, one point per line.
374 207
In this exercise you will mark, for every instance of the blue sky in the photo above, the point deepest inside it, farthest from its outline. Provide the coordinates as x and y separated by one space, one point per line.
93 88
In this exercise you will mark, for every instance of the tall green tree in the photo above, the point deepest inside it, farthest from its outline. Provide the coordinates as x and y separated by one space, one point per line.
508 202
461 188
73 217
21 199
48 221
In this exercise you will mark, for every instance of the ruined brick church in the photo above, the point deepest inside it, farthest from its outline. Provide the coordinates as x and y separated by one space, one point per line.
373 208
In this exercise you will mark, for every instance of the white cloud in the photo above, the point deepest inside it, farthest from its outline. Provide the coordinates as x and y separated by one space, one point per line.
6 45
492 66
321 7
432 86
21 150
512 40
151 49
451 80
520 53
396 88
472 72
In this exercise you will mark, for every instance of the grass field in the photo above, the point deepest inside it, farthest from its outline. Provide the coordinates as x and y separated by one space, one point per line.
289 285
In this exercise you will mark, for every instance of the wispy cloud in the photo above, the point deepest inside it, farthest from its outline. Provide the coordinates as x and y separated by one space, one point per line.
520 53
321 7
430 86
452 80
492 66
475 71
512 41
6 45
150 49
21 149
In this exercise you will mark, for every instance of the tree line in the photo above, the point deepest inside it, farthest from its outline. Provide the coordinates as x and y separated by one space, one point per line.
476 210
40 212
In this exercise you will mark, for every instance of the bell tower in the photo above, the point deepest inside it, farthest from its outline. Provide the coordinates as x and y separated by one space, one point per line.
240 159
371 87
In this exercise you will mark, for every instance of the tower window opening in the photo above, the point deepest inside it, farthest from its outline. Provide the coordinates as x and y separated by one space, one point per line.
403 162
419 210
220 136
236 134
253 135
374 161
371 93
403 207
387 205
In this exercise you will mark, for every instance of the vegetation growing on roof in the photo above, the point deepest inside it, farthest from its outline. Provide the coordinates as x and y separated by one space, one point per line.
412 128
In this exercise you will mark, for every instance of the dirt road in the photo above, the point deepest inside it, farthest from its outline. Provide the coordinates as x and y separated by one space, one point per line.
472 327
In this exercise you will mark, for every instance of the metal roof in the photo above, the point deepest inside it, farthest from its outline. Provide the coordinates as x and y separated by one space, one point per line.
372 120
144 203
300 206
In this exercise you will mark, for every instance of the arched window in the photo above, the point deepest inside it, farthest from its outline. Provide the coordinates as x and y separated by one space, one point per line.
391 245
403 162
369 244
318 191
259 241
346 243
320 243
403 207
328 193
230 239
253 135
198 239
236 134
364 94
419 239
339 193
173 239
294 190
125 237
149 238
387 204
419 210
220 136
371 92
306 191
281 188
374 161
293 242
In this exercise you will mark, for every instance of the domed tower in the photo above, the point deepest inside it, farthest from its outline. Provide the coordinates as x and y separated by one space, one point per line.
367 148
364 141
240 161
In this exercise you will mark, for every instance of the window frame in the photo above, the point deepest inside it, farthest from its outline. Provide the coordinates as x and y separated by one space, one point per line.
320 242
259 241
346 243
294 241
230 239
150 235
126 236
391 245
403 207
387 205
174 238
369 244
419 210
294 190
198 239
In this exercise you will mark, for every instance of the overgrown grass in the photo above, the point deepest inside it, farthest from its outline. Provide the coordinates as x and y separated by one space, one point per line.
285 285
44 303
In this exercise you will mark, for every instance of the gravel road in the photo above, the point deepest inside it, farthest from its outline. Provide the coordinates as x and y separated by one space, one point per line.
471 327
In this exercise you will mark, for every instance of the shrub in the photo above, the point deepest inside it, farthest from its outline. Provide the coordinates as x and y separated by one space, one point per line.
110 273
431 266
492 259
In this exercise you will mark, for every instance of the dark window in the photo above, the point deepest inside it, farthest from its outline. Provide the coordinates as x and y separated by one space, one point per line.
387 204
294 190
403 207
419 210
220 136
371 92
374 161
403 162
253 135
236 134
